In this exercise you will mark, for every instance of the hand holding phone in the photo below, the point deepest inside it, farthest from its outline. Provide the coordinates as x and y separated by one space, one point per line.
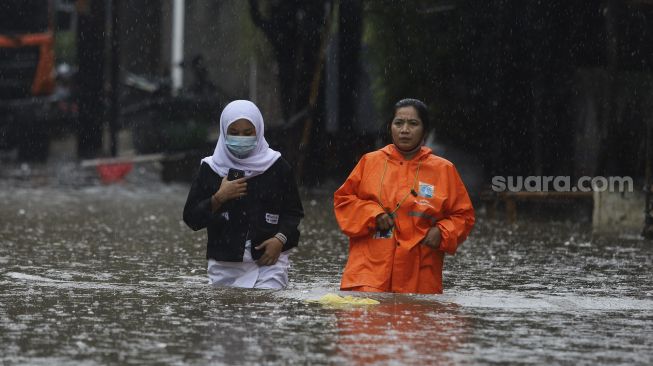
234 174
233 186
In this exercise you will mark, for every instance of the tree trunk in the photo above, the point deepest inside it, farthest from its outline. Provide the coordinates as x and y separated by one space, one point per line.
350 31
90 43
293 28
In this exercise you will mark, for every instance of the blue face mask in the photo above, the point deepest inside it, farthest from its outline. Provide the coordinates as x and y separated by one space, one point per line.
241 146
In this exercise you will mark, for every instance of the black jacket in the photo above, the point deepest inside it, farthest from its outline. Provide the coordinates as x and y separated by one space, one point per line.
272 205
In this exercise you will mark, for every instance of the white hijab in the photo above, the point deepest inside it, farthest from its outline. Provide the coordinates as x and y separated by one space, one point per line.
259 160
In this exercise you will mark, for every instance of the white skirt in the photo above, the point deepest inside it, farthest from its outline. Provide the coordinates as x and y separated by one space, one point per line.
248 274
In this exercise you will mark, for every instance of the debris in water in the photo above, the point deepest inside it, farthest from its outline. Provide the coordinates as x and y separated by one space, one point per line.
334 299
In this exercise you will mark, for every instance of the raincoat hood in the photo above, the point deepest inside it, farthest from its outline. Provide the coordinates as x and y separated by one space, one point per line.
394 154
259 160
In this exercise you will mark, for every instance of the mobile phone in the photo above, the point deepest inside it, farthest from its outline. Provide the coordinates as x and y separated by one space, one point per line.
235 174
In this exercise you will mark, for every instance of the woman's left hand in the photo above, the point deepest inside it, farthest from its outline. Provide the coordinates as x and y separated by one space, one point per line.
433 238
272 248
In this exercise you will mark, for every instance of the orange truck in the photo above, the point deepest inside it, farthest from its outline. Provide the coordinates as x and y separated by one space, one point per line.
27 77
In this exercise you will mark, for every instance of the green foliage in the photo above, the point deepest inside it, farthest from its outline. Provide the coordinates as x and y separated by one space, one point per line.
65 47
410 46
186 135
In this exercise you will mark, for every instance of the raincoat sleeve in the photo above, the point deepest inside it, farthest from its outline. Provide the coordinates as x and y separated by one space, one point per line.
197 211
459 217
292 211
356 216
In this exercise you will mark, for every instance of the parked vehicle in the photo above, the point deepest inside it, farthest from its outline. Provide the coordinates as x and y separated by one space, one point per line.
29 105
163 122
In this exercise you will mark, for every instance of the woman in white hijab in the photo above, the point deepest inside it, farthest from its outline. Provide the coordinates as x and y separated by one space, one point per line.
246 197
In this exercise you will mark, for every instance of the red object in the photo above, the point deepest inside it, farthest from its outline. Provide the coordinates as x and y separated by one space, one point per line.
114 172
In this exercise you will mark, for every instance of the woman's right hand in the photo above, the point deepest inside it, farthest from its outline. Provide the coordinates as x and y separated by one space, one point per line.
384 222
230 189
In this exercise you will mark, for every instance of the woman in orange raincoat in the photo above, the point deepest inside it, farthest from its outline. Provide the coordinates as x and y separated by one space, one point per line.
402 208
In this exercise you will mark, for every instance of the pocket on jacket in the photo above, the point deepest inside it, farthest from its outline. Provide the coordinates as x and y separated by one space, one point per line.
266 223
379 251
426 213
265 218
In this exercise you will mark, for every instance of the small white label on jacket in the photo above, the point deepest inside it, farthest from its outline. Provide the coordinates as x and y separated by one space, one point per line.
271 218
424 203
426 190
383 234
225 215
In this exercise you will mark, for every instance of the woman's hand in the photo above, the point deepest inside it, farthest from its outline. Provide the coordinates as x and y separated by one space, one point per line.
433 238
384 222
229 190
272 248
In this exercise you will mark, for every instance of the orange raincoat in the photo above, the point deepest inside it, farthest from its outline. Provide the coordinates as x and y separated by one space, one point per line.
420 193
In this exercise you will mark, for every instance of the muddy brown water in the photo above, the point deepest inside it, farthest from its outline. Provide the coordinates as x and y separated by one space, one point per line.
93 274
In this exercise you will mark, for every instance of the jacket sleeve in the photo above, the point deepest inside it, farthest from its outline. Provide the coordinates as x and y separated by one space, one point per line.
355 216
459 217
197 210
292 211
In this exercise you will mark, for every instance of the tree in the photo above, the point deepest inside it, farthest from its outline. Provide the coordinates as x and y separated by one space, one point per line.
506 80
294 29
90 78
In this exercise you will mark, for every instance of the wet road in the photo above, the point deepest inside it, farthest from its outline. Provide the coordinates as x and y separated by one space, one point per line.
93 274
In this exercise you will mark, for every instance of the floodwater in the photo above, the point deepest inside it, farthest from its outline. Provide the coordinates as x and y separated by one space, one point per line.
94 275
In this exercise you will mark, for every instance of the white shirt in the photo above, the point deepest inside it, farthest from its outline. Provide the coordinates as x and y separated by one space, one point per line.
248 273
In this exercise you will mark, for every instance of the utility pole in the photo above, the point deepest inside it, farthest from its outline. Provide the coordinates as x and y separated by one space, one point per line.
648 211
177 56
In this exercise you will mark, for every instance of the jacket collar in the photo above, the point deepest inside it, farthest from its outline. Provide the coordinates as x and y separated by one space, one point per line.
393 153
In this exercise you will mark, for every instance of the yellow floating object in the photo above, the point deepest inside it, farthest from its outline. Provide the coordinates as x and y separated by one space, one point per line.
333 299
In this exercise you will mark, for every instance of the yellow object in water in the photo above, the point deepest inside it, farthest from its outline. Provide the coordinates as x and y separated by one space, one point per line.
333 299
